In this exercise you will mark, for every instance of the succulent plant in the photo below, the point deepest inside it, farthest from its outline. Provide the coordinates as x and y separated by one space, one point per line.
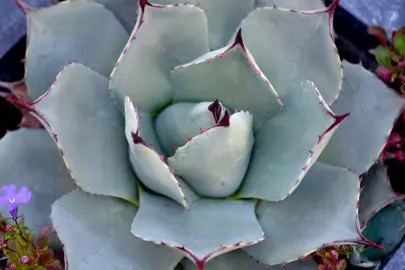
246 99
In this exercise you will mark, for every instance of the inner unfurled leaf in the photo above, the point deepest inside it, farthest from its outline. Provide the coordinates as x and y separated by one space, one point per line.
231 75
321 211
210 228
214 162
182 121
148 164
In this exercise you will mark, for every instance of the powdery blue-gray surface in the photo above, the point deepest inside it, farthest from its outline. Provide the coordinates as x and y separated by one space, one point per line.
387 13
12 22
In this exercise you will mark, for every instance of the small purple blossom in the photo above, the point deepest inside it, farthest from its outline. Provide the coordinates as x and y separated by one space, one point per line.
25 259
11 198
13 267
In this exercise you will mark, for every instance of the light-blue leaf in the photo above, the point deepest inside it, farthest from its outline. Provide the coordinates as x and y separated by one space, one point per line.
80 31
29 157
321 211
290 47
164 37
373 108
96 234
288 144
209 229
89 130
239 260
214 162
148 164
230 75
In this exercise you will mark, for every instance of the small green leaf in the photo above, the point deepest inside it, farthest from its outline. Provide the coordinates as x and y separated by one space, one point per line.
383 55
398 41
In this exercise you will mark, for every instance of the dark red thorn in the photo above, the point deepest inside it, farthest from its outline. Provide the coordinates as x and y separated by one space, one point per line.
224 121
215 108
136 138
143 4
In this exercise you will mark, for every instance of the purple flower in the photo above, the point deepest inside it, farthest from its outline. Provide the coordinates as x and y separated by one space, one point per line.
25 259
11 198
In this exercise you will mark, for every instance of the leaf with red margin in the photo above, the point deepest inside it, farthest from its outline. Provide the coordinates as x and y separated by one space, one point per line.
239 260
379 32
81 31
231 75
29 157
214 162
210 228
292 4
148 164
95 231
291 46
179 122
223 17
89 131
322 211
376 193
164 37
373 108
126 11
288 144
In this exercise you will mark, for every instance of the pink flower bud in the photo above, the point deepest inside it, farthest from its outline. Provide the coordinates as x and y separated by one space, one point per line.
9 228
13 267
25 259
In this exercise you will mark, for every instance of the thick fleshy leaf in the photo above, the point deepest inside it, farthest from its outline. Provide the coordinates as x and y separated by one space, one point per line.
321 211
164 37
148 164
385 228
292 4
288 144
239 260
88 129
126 11
96 234
223 17
290 47
376 192
373 109
214 162
82 31
210 228
231 75
29 157
181 121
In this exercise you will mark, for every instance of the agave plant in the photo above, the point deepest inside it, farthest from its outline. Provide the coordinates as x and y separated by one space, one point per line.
218 131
